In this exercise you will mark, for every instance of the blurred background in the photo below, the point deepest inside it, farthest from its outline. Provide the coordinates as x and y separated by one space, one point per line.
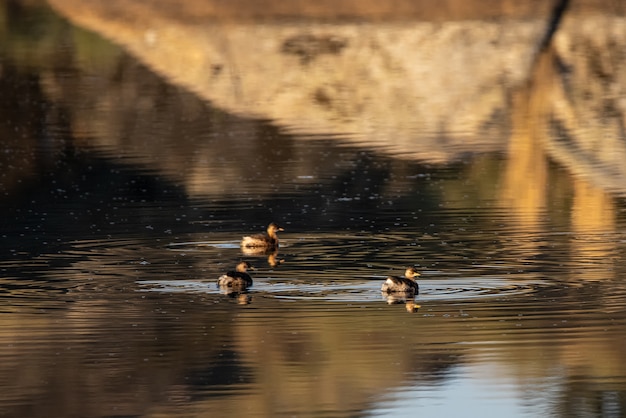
482 141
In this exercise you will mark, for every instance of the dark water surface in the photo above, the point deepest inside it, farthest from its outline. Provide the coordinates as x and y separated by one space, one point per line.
119 215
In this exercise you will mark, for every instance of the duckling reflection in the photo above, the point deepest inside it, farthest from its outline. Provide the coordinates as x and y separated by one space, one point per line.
267 242
412 307
406 298
243 299
236 281
273 260
272 255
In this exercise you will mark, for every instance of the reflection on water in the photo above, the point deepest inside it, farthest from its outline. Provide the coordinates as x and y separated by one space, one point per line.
383 83
124 199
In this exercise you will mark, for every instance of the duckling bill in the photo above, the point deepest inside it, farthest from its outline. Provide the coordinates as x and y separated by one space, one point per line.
237 280
406 284
263 241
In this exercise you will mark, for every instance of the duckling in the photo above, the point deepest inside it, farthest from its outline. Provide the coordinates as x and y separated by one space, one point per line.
267 241
237 280
406 284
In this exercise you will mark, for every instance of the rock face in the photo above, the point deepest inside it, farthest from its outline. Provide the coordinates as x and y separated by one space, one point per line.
411 83
380 83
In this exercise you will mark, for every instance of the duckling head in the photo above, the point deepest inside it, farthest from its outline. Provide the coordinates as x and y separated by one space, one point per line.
411 273
273 228
243 266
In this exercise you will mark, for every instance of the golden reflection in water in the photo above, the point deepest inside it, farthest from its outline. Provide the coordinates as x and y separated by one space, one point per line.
525 181
593 209
594 245
527 187
524 190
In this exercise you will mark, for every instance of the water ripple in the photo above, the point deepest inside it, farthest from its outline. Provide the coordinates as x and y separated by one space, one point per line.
361 290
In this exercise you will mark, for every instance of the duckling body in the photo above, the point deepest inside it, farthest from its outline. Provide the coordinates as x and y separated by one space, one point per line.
266 241
406 284
238 279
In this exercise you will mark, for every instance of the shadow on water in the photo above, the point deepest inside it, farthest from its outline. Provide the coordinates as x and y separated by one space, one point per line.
124 198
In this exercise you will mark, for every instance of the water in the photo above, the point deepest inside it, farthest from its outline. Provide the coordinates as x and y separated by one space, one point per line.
119 215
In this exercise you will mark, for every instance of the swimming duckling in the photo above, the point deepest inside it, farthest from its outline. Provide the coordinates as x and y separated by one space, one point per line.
237 280
263 241
406 284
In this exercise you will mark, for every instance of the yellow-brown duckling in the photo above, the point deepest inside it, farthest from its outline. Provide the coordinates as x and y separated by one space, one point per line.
406 284
237 280
267 241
